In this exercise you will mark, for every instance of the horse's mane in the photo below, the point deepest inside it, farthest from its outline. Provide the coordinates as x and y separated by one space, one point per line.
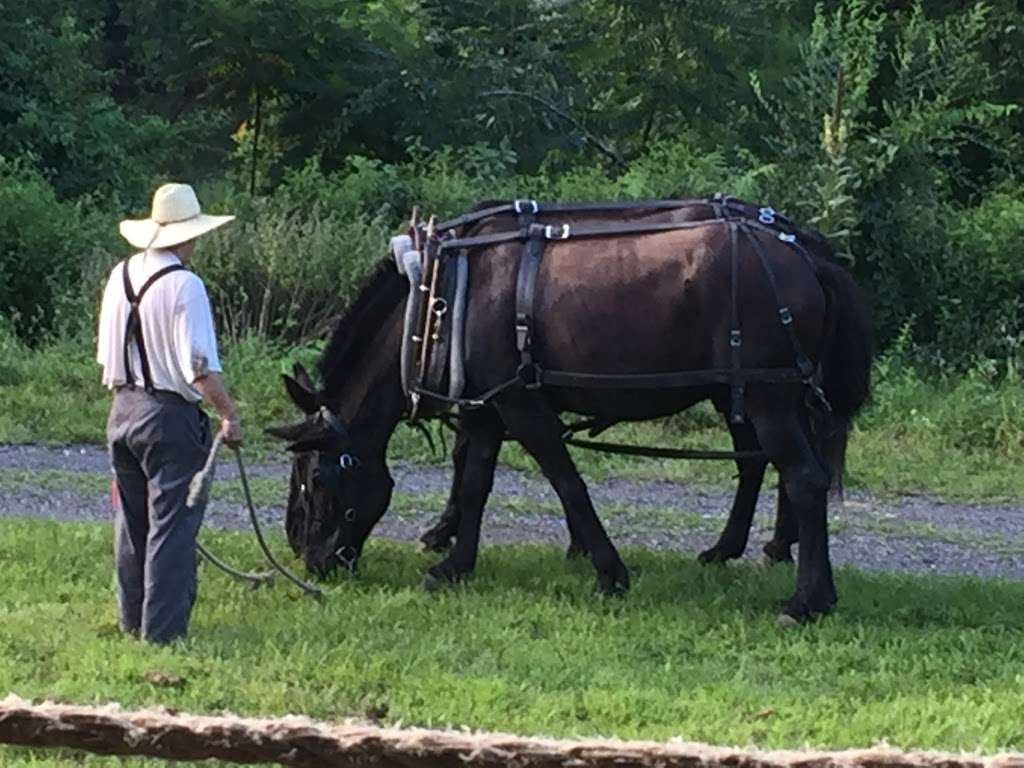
356 328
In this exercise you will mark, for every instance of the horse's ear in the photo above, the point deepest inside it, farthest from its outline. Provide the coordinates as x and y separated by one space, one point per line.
304 397
302 377
289 432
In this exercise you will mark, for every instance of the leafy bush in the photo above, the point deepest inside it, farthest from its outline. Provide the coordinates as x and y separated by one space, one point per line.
45 245
981 302
286 273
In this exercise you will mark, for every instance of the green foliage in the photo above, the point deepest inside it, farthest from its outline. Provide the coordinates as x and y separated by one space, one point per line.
45 247
894 128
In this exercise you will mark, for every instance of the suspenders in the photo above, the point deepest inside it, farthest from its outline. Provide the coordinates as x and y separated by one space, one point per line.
133 331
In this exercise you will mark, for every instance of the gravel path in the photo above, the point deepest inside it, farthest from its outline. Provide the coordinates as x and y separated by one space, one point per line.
912 534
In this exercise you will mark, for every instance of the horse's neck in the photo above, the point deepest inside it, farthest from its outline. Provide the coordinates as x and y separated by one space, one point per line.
372 400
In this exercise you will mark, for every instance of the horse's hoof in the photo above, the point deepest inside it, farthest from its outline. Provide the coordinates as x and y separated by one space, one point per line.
775 553
785 621
614 582
803 610
442 575
575 551
432 584
433 543
717 555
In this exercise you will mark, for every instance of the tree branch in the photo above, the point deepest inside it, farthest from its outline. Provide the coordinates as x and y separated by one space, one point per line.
595 141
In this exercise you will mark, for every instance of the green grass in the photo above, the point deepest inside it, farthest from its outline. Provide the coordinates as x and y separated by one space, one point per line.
527 647
958 437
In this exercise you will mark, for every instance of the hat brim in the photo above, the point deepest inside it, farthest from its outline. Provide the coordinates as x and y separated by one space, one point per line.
146 233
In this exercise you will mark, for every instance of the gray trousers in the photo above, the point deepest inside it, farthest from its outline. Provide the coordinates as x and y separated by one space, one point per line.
157 442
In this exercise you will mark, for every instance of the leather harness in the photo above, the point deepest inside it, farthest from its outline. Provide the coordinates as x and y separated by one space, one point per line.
534 236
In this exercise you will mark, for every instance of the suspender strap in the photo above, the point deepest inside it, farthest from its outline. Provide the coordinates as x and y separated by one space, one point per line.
133 330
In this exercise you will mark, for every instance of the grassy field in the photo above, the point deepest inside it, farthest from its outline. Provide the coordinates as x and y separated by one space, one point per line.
527 647
958 437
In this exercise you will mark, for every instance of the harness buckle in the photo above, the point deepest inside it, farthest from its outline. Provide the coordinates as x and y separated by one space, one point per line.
735 338
519 205
785 316
522 332
766 215
787 237
552 232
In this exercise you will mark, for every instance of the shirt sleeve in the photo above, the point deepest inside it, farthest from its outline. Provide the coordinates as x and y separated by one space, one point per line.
195 339
104 332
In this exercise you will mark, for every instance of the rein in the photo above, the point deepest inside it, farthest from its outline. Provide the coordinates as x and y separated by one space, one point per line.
199 491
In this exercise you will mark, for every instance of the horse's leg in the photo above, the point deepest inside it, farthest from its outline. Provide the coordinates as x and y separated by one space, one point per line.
483 433
539 430
778 550
833 449
785 436
733 540
438 538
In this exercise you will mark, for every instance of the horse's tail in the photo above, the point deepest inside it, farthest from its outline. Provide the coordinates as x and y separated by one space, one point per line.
845 358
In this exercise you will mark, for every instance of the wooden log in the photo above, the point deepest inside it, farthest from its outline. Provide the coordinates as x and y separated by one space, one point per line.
299 741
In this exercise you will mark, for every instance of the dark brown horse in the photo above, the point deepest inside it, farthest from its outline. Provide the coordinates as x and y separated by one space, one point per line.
626 304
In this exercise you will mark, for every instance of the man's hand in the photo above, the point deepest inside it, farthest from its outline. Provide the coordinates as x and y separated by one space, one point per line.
211 387
232 431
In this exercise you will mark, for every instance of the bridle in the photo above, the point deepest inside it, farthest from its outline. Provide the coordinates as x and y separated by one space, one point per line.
346 554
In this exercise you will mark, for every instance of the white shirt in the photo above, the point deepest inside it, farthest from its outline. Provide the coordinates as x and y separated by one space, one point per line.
176 321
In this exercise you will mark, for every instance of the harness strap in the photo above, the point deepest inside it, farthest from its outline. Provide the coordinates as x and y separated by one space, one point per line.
670 380
735 332
803 363
571 232
533 207
133 329
526 283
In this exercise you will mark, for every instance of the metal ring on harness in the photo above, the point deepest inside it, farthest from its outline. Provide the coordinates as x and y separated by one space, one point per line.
348 557
530 375
766 215
552 233
518 205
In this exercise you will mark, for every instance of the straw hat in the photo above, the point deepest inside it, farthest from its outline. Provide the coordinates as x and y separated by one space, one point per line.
176 218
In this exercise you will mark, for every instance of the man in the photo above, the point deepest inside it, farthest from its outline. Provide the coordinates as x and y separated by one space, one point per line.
159 354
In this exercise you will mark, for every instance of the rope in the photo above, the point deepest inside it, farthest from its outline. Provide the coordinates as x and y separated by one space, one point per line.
300 741
306 587
199 493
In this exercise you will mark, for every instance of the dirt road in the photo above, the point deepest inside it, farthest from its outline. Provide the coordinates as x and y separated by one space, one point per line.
911 534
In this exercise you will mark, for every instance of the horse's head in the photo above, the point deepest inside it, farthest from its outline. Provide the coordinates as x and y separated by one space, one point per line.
338 491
